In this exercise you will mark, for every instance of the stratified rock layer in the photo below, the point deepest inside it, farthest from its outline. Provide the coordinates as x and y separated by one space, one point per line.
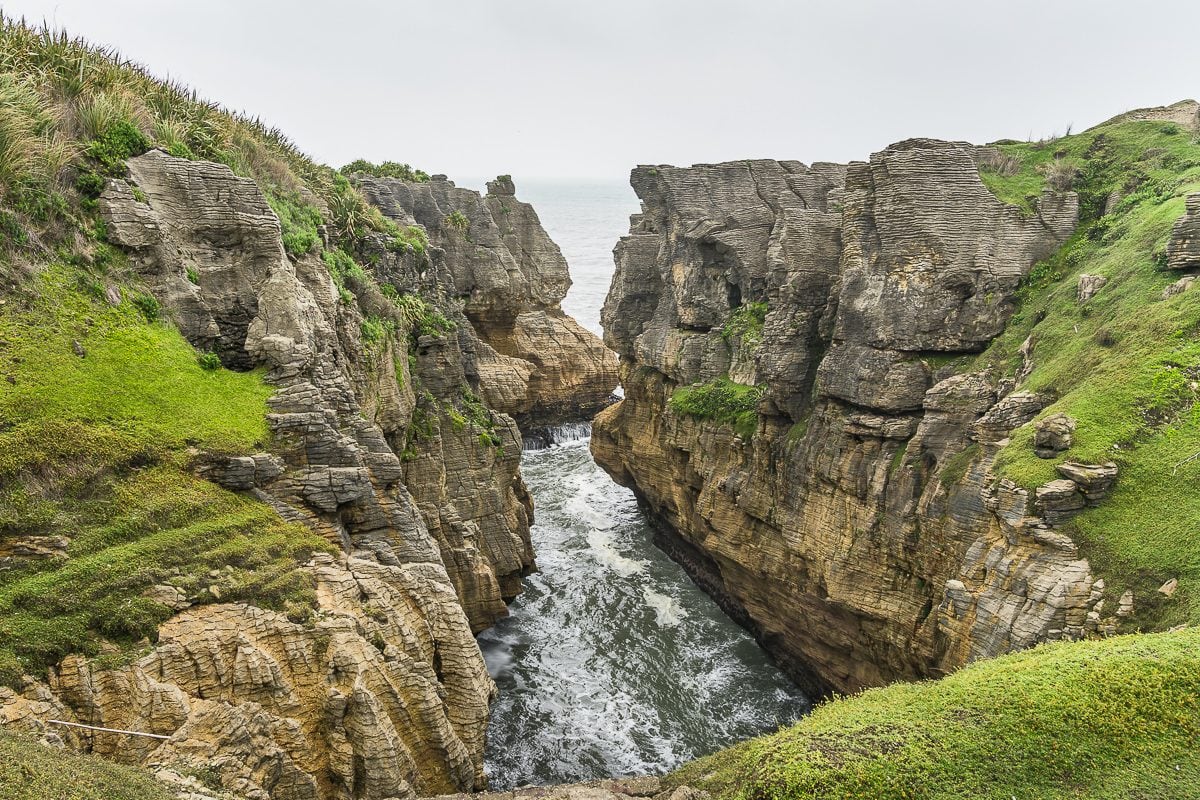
534 362
857 531
384 693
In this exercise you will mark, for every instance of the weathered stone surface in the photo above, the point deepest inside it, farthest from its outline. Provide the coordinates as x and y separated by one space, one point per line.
1053 435
384 692
857 532
1185 113
1095 481
1059 500
1088 286
1125 606
1178 287
616 789
201 217
1010 413
1183 248
534 362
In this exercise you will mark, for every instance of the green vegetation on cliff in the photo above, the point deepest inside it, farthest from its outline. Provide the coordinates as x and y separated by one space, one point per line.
388 169
745 325
100 404
721 400
30 770
1118 718
1124 364
103 403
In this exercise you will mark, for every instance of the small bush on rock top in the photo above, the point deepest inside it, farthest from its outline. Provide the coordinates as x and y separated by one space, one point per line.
388 169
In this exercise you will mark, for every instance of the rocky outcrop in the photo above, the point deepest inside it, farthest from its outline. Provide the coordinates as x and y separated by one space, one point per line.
1183 249
380 444
534 362
379 697
857 531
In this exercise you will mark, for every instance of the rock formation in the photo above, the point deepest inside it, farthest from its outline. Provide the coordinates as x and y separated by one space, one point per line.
384 447
857 530
535 362
1183 251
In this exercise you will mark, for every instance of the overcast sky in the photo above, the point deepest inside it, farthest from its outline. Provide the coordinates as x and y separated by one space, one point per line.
541 88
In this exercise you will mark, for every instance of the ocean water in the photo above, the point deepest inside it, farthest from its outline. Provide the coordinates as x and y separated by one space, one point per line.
612 662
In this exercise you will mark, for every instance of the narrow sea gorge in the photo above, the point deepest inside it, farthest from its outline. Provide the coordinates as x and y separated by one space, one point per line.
613 662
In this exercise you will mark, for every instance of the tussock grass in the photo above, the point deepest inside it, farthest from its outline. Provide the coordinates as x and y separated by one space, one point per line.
60 96
1118 718
30 770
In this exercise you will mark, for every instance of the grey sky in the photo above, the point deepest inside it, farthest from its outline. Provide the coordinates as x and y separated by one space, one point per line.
558 88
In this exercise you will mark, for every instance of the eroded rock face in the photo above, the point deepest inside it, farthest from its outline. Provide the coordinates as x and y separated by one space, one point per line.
857 531
384 693
534 362
1183 249
368 700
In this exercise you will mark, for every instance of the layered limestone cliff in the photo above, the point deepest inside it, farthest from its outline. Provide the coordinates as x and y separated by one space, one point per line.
848 516
381 444
535 362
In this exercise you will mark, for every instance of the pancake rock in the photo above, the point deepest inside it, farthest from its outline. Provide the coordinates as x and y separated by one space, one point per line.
849 518
535 362
383 691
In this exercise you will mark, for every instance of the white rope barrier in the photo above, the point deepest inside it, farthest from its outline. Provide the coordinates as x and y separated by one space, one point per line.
106 730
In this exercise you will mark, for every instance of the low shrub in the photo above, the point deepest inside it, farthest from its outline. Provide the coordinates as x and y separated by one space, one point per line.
721 400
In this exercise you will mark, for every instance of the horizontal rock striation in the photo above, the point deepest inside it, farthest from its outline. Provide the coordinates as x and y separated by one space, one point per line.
380 444
535 362
857 530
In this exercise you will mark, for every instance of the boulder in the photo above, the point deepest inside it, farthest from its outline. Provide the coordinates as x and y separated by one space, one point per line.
1053 435
1059 500
1095 481
1178 287
1088 286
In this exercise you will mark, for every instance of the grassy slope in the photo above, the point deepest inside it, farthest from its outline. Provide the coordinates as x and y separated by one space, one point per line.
1125 363
1108 719
32 771
95 449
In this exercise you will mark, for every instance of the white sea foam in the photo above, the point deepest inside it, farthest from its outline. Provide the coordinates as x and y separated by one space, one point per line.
607 555
667 610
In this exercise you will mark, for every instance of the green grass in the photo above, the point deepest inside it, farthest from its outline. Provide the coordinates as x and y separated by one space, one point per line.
137 378
721 400
30 770
138 528
745 325
298 221
94 448
1117 718
1124 364
1018 190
